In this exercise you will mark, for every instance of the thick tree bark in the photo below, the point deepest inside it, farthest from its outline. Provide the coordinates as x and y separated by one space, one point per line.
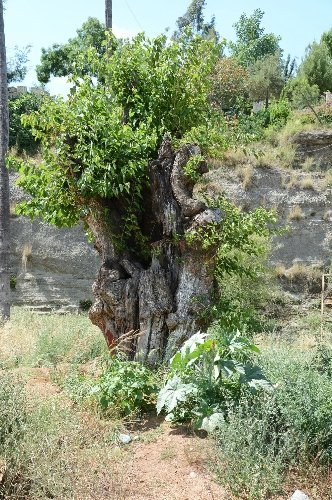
164 300
108 15
4 180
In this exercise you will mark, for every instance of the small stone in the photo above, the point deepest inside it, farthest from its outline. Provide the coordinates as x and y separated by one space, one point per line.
135 438
193 474
124 438
299 495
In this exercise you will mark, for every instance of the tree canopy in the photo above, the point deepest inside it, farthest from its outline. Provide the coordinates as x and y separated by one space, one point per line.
194 19
316 66
252 42
17 65
60 60
98 143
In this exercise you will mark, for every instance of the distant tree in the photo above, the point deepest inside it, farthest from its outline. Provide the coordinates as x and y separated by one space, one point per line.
4 179
302 95
266 78
60 60
327 39
17 65
252 42
289 67
20 137
230 83
316 66
194 18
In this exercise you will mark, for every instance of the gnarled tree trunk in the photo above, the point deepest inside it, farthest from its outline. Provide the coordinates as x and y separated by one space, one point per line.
164 300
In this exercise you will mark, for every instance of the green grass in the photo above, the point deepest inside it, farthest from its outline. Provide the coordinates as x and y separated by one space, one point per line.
29 339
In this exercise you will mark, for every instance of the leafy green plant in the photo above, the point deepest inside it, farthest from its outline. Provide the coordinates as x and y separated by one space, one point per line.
85 304
279 112
208 376
97 144
20 136
125 387
191 169
234 235
13 281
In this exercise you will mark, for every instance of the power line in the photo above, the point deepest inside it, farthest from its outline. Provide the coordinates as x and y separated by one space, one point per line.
134 15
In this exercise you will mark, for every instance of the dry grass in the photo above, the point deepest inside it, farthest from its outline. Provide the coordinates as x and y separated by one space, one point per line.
279 156
328 216
12 208
328 178
246 174
295 213
308 164
307 182
44 340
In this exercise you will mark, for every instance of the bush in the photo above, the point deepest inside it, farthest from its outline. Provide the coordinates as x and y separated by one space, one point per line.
324 113
20 137
208 376
270 434
279 112
125 387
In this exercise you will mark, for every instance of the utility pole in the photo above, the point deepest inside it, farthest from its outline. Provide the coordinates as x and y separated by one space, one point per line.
108 14
4 179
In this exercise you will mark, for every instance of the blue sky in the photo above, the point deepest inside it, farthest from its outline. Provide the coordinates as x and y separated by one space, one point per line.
40 23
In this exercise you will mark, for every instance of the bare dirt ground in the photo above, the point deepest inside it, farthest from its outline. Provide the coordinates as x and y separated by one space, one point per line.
160 463
171 467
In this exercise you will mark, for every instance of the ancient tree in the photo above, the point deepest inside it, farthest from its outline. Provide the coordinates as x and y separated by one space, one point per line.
4 180
119 156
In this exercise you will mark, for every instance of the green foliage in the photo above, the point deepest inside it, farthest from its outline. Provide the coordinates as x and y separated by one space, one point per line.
233 236
194 19
324 112
17 65
316 67
275 432
20 137
60 60
279 112
98 143
207 377
125 387
211 137
301 94
252 42
240 301
327 39
13 281
266 78
85 304
191 169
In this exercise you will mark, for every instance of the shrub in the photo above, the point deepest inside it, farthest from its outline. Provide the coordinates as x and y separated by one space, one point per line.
271 433
125 387
208 376
324 113
279 112
20 137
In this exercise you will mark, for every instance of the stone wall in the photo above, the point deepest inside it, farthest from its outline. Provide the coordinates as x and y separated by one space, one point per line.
54 268
307 211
